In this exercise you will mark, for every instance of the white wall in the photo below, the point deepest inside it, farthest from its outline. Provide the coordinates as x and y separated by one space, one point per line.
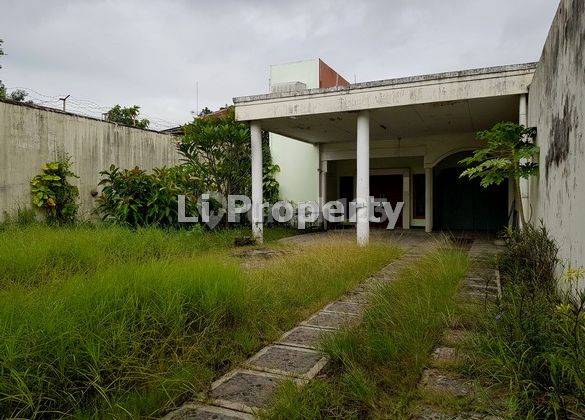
31 136
298 161
557 109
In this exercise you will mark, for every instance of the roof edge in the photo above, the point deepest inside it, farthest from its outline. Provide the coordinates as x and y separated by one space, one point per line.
391 82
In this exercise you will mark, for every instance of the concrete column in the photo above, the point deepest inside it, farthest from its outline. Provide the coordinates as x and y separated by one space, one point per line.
523 120
363 177
406 200
257 216
428 199
323 189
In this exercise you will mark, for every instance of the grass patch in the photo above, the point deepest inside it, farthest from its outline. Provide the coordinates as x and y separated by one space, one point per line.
37 253
375 366
134 333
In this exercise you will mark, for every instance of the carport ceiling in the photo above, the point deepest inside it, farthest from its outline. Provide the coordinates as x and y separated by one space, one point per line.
400 122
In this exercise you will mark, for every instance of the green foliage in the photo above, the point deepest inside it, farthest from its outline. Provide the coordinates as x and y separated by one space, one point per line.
136 198
533 341
530 258
52 192
216 149
507 154
18 95
376 366
152 320
127 116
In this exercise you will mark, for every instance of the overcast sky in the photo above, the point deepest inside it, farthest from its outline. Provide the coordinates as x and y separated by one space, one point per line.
151 53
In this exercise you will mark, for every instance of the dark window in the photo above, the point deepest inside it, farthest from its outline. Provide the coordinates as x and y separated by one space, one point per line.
346 191
418 195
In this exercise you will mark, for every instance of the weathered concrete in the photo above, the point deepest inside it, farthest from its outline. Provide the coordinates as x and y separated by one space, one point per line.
303 336
206 412
557 109
333 320
437 381
245 390
31 136
288 361
454 86
429 413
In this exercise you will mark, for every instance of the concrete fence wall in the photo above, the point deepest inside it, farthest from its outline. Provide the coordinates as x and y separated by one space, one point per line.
557 109
31 136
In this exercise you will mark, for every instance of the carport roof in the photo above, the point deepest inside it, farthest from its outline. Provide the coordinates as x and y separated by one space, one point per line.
391 82
462 101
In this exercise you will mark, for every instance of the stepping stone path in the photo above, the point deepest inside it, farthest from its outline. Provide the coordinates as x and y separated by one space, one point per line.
242 392
481 286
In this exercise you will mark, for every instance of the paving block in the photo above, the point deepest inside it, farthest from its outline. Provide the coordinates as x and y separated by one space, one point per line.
429 413
303 336
345 307
245 390
206 412
333 320
288 361
445 355
453 337
437 381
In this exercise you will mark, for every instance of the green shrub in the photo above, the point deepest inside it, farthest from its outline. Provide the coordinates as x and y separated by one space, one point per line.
530 258
52 192
135 198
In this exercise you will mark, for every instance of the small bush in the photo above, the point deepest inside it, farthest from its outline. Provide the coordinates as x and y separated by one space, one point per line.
530 258
135 198
52 192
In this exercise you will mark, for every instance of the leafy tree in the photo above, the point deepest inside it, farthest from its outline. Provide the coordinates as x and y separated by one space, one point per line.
127 116
508 154
217 151
18 95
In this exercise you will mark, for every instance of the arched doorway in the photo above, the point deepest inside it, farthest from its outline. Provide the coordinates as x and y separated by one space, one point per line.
460 204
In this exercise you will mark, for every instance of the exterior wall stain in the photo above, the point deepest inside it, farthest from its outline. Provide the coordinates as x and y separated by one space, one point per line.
556 107
560 132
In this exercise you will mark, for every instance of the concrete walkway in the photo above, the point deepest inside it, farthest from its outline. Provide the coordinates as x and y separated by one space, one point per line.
245 390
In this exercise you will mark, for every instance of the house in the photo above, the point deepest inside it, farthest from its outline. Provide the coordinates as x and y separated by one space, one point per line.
397 139
401 139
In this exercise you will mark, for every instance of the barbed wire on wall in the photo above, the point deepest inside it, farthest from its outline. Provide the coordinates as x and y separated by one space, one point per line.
88 107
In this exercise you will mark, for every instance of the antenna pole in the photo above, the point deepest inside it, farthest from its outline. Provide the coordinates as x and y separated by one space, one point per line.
64 100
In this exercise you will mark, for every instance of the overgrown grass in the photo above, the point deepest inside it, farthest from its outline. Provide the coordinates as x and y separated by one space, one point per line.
37 253
136 331
375 367
531 346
